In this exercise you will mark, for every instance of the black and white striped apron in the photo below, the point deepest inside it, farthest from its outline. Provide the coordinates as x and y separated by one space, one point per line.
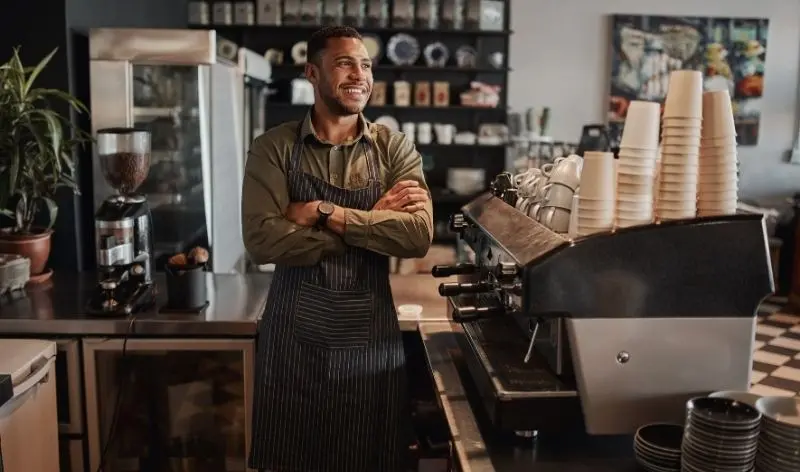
331 390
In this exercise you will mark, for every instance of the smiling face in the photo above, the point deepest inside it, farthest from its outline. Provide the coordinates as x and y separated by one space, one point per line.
342 76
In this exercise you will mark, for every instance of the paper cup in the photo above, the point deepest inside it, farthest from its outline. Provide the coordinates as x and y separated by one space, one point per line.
598 175
679 132
642 122
718 114
685 95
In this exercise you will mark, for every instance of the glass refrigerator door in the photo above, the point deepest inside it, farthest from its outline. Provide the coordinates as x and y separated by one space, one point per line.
168 405
168 101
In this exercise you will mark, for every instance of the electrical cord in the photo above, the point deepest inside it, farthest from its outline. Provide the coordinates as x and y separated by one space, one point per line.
118 401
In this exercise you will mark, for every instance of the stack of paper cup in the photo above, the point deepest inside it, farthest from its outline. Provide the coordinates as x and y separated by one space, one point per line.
596 193
636 166
680 146
717 189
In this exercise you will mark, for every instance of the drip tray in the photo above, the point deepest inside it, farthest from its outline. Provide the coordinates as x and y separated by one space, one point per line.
500 347
517 396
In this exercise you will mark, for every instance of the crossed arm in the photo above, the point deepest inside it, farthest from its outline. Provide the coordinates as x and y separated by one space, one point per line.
276 230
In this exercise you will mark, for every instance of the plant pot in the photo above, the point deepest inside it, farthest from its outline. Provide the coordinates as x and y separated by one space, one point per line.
34 246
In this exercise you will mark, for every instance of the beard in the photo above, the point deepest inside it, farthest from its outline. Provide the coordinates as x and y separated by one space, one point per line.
335 104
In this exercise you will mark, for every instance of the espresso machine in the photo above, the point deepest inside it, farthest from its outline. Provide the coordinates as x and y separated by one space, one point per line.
123 226
605 332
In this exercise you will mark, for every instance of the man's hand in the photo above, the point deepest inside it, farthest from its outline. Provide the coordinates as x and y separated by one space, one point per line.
405 196
303 213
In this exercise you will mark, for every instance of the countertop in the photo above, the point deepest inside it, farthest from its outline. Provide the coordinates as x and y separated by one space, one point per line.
236 302
480 449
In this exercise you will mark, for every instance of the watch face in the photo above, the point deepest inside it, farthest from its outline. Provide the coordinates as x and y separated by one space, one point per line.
326 208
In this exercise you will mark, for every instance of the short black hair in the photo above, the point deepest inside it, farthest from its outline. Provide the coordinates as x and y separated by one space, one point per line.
319 40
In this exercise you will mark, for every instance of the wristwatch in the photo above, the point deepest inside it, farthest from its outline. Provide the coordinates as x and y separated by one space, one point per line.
324 209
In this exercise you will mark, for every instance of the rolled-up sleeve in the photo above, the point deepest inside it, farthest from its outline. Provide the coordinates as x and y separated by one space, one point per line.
268 236
394 233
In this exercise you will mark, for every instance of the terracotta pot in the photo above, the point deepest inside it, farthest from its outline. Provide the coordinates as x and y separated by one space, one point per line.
35 247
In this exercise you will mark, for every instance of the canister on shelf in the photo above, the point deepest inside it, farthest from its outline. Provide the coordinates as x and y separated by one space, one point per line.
222 13
269 12
354 12
441 94
402 93
403 14
378 97
422 94
244 13
199 13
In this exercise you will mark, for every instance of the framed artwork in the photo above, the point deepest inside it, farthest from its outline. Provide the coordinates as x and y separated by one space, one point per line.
729 51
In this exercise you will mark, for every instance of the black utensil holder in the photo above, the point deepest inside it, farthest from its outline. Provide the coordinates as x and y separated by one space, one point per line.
186 288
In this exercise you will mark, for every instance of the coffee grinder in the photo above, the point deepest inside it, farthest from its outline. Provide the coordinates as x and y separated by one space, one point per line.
123 226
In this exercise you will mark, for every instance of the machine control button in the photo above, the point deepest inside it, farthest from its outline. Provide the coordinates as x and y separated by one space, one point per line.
137 269
623 357
457 222
506 270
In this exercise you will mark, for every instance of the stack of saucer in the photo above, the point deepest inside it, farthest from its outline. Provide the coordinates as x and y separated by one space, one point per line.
680 146
596 196
636 166
779 441
718 182
657 447
720 434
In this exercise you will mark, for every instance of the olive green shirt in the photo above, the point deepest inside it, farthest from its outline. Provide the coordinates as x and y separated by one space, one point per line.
270 238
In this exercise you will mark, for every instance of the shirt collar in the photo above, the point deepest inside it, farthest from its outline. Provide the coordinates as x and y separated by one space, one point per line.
307 129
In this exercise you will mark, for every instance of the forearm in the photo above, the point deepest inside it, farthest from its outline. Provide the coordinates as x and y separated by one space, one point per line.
393 233
279 241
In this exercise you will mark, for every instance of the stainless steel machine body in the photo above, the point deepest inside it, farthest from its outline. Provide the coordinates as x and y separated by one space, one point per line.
627 325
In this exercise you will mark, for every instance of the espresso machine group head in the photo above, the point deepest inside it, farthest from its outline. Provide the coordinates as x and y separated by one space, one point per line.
123 225
610 331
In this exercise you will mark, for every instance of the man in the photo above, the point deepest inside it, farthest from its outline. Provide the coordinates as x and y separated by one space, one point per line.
327 200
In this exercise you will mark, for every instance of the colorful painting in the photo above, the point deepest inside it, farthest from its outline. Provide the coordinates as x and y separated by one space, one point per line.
729 51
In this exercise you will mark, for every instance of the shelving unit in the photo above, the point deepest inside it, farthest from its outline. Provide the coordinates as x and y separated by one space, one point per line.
438 157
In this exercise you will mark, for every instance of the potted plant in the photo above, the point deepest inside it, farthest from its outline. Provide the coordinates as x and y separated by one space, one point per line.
36 159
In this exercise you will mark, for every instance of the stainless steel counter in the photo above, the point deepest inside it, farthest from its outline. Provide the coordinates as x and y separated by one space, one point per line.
480 449
236 303
58 308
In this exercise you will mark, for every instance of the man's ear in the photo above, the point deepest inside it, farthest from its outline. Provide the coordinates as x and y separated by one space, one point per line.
311 73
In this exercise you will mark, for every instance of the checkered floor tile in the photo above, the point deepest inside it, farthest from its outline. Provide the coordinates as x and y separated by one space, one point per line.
776 360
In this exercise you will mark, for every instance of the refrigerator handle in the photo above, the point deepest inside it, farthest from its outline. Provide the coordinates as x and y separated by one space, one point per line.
35 378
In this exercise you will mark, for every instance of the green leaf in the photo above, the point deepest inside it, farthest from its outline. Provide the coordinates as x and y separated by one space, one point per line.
52 211
36 71
21 211
37 143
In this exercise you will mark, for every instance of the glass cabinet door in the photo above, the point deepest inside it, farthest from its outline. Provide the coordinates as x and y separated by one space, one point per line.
168 101
168 405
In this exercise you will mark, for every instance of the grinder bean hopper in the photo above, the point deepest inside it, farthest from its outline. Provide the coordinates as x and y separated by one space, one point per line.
123 225
609 331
